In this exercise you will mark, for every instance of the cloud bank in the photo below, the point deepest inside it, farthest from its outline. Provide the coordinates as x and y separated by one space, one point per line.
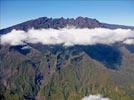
129 41
68 36
95 97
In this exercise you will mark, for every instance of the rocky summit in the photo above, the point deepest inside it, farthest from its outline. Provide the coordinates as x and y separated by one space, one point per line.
56 23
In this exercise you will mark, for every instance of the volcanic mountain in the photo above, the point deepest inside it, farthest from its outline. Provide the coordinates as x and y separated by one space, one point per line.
32 70
79 22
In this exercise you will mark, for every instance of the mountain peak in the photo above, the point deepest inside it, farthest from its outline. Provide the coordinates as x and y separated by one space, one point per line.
56 23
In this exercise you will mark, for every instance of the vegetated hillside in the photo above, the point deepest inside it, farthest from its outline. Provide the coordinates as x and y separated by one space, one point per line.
56 23
57 72
65 73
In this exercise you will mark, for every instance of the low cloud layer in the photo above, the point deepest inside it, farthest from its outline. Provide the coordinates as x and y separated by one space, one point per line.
68 36
95 97
129 41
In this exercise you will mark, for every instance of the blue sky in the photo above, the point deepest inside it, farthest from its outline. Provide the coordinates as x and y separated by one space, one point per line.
110 11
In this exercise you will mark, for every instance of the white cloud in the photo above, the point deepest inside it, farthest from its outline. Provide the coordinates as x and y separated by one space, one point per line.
13 38
67 36
95 97
129 41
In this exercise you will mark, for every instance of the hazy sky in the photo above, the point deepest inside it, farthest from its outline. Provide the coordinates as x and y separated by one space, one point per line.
110 11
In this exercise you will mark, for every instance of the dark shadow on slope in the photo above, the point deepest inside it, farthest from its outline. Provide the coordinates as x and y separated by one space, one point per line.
20 49
38 78
48 48
110 56
130 48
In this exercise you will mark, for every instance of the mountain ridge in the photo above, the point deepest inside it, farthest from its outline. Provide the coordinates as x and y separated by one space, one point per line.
79 22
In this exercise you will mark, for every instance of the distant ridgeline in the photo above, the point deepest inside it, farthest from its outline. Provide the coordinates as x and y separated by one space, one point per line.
79 22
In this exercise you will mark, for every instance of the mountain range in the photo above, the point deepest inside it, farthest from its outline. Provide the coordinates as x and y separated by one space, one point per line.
79 22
